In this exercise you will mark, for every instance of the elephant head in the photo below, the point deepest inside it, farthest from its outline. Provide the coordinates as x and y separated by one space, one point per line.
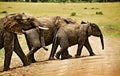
93 29
9 40
17 22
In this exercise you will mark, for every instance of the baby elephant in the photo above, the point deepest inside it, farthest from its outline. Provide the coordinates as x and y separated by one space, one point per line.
75 34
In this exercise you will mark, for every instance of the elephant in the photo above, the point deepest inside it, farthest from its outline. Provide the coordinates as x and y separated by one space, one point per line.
73 34
10 26
32 35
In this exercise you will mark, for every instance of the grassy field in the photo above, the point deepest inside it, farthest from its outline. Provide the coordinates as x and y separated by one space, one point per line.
107 15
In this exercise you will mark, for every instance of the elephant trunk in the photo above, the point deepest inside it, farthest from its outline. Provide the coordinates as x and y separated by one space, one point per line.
102 41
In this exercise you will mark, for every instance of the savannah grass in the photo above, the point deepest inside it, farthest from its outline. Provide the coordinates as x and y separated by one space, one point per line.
110 17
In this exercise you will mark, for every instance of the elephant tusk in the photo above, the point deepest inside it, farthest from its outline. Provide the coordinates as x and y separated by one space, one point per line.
18 33
43 28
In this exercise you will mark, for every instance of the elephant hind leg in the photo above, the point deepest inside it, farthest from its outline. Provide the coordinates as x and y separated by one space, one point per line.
54 48
18 50
87 45
31 58
65 54
64 44
30 55
57 55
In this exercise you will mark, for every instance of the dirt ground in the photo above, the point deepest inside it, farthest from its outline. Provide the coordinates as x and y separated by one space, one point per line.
105 63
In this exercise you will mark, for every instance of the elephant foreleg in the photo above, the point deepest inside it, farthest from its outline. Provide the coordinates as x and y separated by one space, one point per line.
19 52
42 39
79 50
81 42
9 47
8 55
87 45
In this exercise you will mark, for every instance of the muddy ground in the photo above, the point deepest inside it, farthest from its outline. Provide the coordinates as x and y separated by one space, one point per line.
105 63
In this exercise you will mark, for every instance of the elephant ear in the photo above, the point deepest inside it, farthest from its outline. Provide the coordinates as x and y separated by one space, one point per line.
69 20
10 21
37 23
86 28
82 22
11 24
18 17
57 20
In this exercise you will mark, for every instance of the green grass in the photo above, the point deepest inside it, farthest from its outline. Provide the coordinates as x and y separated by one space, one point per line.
84 11
112 30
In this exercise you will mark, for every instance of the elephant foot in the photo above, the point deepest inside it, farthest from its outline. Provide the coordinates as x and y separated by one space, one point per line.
77 56
34 61
57 56
69 56
26 64
31 59
66 57
6 69
92 54
51 58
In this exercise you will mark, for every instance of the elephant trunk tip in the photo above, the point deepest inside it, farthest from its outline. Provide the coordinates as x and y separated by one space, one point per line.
102 48
102 41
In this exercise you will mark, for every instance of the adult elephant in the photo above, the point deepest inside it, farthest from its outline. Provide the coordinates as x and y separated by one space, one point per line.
72 34
10 26
32 35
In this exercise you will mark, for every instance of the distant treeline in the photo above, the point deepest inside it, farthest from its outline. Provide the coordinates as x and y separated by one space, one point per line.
62 1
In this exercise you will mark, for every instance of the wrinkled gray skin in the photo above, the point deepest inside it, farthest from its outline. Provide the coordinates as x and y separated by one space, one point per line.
72 34
10 26
32 35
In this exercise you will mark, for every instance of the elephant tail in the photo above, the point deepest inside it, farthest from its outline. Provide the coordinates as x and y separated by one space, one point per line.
56 39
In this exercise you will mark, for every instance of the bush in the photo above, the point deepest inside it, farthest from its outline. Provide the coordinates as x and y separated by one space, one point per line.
3 12
85 8
99 13
73 14
92 8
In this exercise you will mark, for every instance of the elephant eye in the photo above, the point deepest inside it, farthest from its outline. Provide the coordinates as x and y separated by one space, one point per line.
93 25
